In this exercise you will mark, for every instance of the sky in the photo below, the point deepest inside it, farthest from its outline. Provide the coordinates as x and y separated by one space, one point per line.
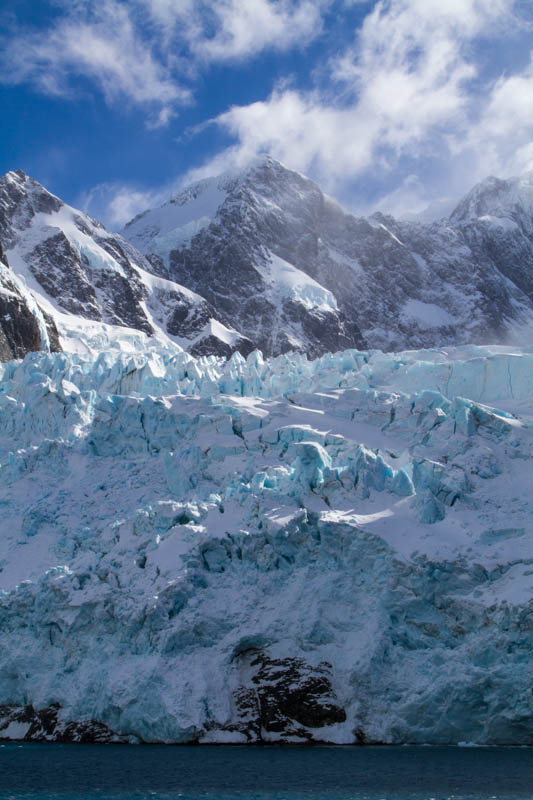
392 105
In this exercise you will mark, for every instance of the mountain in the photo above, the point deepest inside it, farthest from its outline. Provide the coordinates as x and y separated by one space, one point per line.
245 242
285 550
89 280
291 270
261 259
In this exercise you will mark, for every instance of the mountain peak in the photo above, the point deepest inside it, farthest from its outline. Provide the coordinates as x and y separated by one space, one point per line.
17 175
494 200
21 198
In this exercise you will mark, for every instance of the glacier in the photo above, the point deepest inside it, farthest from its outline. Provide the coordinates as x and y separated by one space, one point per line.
201 549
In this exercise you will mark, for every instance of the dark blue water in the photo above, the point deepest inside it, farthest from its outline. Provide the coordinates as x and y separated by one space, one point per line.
98 772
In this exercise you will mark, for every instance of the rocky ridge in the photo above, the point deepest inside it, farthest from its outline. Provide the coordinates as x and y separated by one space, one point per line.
77 271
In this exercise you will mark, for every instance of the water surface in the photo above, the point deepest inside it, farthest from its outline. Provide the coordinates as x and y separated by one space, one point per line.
99 772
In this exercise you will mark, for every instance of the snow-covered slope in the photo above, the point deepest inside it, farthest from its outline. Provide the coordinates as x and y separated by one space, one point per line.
76 270
284 550
381 282
175 223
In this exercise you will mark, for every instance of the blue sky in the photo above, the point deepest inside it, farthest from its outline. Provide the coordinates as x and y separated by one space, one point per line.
397 105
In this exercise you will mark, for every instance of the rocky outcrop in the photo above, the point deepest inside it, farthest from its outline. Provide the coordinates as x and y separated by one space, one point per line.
47 725
285 699
24 327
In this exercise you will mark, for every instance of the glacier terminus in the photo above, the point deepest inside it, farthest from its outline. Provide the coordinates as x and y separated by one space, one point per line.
197 549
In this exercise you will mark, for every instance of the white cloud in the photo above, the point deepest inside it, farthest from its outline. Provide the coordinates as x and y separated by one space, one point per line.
104 47
222 30
503 135
246 28
161 119
410 89
148 51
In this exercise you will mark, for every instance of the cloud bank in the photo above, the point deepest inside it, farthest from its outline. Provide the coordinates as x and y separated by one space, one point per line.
410 89
422 100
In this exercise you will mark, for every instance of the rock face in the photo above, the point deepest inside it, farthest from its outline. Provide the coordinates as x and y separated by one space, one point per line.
284 550
496 219
24 327
291 270
285 698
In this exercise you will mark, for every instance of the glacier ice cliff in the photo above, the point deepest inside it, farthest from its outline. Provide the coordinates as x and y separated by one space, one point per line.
263 550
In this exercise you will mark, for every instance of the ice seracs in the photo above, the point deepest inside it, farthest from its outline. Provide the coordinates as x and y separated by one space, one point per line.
276 550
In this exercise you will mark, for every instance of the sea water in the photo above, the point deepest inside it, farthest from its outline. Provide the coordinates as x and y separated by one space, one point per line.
98 772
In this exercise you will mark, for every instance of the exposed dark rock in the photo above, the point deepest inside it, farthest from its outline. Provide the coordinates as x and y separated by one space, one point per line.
87 291
20 332
53 334
285 698
25 723
211 345
185 318
59 269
